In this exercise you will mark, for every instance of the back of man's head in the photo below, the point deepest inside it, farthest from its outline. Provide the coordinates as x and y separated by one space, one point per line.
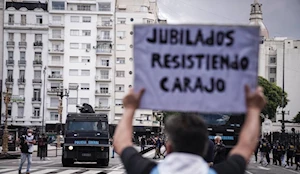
187 133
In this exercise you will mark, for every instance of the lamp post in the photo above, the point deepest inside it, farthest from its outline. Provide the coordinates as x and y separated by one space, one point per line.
61 93
5 132
44 91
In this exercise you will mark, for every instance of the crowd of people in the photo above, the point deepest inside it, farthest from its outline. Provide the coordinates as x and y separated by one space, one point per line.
283 155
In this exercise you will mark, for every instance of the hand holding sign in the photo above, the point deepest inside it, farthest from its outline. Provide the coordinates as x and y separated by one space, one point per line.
195 68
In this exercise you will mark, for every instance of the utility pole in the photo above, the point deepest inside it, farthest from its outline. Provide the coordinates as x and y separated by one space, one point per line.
44 91
5 132
61 94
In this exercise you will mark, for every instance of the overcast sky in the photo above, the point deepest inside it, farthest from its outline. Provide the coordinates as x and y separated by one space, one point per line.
281 17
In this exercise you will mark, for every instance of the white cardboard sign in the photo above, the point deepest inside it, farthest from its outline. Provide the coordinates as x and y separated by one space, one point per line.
199 68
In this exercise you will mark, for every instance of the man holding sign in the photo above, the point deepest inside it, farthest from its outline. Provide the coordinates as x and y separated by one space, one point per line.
192 68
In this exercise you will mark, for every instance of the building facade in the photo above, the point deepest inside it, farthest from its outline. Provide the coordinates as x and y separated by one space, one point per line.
25 37
278 58
1 50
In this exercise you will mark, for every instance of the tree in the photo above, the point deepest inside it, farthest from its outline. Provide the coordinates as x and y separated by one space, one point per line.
297 118
273 94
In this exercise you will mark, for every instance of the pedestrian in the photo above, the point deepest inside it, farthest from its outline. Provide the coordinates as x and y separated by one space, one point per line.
111 141
187 141
219 150
143 143
26 145
297 157
256 151
275 153
209 157
279 153
290 152
42 145
263 152
157 144
282 155
268 152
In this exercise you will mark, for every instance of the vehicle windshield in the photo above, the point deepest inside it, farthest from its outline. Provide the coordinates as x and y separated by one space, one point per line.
222 119
87 126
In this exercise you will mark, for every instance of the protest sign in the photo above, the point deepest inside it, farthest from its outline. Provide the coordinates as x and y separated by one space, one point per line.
202 68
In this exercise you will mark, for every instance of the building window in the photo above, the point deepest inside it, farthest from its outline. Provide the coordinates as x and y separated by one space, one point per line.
38 37
54 102
104 62
73 72
73 86
85 72
104 74
11 19
23 19
272 70
86 19
54 86
121 34
74 59
104 88
37 74
11 36
20 111
120 60
36 112
120 88
37 56
23 37
103 102
58 5
84 100
121 47
22 74
9 111
74 45
55 72
39 19
118 102
74 18
55 59
86 32
272 80
105 34
53 116
121 21
130 72
56 19
272 60
36 94
56 33
85 59
21 91
10 55
72 101
86 46
104 6
84 7
10 73
22 55
106 21
120 74
85 86
74 32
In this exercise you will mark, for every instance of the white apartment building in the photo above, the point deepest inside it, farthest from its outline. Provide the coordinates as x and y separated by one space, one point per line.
80 57
272 53
128 13
25 37
1 49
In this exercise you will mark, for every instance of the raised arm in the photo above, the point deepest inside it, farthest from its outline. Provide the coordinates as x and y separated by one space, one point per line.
251 128
123 134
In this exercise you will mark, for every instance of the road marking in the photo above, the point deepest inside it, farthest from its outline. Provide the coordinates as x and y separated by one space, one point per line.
115 172
248 172
91 172
68 172
16 171
44 171
263 168
5 170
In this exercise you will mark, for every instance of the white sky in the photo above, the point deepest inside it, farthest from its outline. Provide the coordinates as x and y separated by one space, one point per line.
281 17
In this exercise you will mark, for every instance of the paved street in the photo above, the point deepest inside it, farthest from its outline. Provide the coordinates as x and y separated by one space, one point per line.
52 165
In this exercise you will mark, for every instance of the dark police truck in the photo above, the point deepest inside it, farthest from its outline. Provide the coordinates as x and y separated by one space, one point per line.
86 138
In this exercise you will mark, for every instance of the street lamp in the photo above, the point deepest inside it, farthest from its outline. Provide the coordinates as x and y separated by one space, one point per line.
44 90
5 132
61 92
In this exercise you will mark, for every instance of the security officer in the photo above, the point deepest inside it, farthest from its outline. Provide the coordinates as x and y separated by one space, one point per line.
290 154
275 153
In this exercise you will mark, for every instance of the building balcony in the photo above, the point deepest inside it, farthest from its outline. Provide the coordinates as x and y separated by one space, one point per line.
55 64
55 77
100 93
38 63
104 38
10 44
52 91
37 81
36 100
103 66
38 45
21 81
102 79
56 37
105 24
53 107
17 99
56 24
10 62
22 45
105 51
102 108
35 118
22 63
56 51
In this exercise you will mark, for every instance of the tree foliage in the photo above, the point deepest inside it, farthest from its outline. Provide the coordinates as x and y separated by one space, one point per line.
273 94
297 118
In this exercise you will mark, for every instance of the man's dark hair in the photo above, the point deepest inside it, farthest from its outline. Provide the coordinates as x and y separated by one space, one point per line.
187 133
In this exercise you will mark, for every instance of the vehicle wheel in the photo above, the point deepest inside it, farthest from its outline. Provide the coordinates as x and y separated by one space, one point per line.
103 163
67 162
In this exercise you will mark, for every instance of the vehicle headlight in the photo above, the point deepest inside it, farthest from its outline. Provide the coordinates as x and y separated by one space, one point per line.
70 147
